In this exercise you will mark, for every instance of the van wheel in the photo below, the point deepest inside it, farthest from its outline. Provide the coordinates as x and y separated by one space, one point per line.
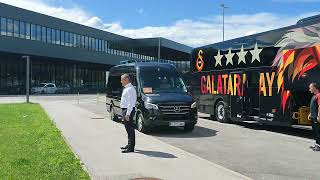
113 116
140 124
221 112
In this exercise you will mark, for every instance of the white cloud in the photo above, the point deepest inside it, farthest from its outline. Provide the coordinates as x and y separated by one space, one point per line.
202 31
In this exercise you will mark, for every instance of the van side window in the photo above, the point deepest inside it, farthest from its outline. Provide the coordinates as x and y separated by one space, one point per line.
114 86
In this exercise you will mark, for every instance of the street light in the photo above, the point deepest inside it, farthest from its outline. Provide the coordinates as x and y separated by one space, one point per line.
27 76
223 7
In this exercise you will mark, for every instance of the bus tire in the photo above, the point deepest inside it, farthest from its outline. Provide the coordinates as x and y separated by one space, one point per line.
221 112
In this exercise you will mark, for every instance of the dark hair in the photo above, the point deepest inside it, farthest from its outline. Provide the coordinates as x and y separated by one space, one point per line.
314 84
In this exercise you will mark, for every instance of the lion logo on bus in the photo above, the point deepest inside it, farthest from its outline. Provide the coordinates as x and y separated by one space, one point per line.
199 61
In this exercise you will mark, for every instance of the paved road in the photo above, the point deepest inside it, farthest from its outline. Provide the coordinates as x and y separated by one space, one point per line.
259 152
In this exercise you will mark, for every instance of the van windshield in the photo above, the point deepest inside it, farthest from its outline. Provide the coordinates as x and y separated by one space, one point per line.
160 80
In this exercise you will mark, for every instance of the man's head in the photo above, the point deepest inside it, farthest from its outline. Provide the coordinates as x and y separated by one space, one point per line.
314 88
125 79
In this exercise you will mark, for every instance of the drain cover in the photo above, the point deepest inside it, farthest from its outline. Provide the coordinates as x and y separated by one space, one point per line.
146 178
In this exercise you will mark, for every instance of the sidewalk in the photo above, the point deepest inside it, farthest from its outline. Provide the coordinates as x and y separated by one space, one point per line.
97 141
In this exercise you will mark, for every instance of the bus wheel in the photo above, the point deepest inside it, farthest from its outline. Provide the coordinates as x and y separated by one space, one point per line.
221 112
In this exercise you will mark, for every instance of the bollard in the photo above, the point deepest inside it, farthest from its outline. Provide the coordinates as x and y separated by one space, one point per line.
78 98
98 98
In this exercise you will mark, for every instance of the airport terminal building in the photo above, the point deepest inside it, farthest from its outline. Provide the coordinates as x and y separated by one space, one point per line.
64 52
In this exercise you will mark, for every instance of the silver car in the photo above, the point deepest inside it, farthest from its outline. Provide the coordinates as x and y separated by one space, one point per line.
44 88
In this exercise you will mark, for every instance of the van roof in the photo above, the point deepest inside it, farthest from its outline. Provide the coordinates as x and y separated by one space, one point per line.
146 64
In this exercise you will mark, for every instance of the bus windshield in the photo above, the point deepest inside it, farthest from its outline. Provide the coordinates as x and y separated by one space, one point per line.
160 80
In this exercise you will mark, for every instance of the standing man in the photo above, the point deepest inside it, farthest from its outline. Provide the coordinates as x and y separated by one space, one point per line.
127 104
314 115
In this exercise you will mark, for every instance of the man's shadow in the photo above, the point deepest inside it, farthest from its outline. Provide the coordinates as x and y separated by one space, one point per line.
156 154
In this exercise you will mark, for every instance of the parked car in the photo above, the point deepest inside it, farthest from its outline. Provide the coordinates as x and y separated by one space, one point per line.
63 89
162 97
44 88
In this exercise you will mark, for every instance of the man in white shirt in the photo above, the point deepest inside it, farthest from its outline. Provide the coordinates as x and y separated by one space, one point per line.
127 104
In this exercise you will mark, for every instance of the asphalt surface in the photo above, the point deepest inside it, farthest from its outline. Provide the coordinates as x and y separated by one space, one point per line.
259 152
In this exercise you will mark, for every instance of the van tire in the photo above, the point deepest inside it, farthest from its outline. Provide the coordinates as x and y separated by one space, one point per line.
140 124
221 112
113 115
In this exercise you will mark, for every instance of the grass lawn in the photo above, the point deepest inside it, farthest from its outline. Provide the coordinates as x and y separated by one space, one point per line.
31 147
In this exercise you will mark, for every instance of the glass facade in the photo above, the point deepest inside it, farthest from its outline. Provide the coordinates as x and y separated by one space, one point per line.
74 75
82 77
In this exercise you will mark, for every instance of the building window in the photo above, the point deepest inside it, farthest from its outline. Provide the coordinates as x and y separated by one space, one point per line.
33 32
93 43
70 36
102 46
22 30
66 39
82 41
86 42
9 27
106 46
28 31
16 28
78 41
89 43
38 33
58 40
43 33
74 40
3 26
49 38
97 44
71 39
53 36
62 38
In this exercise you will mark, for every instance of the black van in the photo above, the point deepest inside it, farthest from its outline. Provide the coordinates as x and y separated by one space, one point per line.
162 97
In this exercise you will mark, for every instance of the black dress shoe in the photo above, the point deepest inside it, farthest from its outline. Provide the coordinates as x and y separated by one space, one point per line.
125 147
127 151
317 148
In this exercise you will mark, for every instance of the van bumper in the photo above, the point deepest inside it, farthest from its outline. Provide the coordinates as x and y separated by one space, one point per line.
152 119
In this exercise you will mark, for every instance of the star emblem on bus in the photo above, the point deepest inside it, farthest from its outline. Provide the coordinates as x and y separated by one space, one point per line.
218 58
256 53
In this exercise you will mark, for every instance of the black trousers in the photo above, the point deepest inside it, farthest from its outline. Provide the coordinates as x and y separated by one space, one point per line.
129 128
316 130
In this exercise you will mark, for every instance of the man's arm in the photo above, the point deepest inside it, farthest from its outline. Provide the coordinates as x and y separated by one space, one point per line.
318 100
131 103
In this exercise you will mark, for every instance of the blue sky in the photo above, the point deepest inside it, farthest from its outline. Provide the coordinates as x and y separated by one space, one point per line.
194 23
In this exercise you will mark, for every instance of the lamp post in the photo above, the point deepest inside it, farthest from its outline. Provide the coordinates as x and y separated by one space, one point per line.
27 76
159 49
223 7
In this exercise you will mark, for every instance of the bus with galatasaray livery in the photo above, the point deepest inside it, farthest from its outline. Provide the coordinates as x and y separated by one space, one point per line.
262 77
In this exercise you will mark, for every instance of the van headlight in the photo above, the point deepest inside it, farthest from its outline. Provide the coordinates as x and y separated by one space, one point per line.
150 106
193 105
